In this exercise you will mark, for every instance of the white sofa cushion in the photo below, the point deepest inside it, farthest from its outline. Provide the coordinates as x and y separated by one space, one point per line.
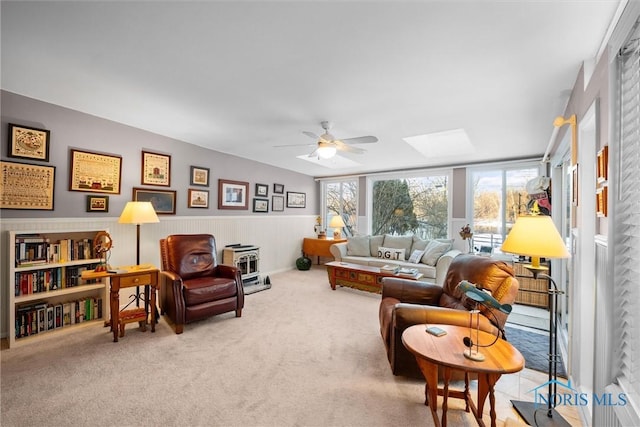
358 246
399 242
416 256
374 243
434 251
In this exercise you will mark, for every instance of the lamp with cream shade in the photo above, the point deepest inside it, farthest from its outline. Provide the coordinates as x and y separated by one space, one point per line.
337 223
536 236
138 213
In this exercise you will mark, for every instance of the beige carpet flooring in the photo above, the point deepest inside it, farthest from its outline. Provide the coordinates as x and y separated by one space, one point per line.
300 355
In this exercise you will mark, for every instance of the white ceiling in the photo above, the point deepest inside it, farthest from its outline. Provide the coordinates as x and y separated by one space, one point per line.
242 77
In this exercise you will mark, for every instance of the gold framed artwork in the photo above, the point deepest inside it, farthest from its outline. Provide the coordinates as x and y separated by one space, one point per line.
199 176
97 203
198 198
601 201
95 172
163 201
233 194
603 164
156 169
28 143
26 186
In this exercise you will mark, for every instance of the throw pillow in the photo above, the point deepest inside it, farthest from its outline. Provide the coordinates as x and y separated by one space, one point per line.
434 251
374 243
391 253
416 256
419 244
358 246
399 242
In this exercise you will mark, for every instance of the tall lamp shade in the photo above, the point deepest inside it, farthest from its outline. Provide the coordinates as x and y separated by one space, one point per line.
536 236
138 213
337 223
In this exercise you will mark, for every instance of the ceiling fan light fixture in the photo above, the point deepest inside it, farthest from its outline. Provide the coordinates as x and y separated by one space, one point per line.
326 151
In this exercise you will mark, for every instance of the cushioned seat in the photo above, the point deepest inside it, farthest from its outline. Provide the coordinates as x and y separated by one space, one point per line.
193 285
408 302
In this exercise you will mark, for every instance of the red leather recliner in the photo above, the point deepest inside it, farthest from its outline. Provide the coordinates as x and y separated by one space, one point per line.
408 302
193 285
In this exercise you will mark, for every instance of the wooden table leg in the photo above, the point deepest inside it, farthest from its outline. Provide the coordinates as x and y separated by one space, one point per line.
430 373
153 308
486 383
115 312
445 395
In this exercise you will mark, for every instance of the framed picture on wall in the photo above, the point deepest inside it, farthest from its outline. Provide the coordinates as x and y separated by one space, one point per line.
199 176
277 203
278 188
97 203
163 201
25 186
233 194
198 198
260 205
156 169
28 143
95 172
296 200
262 190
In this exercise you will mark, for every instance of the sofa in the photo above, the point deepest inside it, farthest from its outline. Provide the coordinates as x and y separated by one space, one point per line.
429 257
406 303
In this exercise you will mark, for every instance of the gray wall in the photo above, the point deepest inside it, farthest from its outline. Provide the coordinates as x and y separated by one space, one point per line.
75 130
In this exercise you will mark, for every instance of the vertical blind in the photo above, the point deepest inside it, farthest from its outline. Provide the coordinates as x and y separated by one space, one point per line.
626 227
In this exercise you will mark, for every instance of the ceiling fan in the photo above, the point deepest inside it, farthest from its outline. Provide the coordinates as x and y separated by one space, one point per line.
327 145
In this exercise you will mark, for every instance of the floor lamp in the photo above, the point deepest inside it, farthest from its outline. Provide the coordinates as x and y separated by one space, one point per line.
537 237
138 213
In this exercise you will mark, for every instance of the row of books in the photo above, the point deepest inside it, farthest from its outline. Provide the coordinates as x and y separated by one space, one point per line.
32 282
42 317
35 250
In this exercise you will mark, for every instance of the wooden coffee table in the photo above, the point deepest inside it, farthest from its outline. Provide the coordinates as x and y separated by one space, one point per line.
363 277
446 352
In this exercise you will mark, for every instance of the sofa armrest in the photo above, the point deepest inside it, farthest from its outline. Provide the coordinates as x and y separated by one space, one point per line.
338 250
411 291
442 266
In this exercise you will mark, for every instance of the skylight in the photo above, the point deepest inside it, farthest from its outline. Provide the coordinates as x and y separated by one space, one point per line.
442 144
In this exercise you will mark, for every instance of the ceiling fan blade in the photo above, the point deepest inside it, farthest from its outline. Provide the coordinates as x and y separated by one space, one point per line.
295 145
348 148
311 135
314 153
360 140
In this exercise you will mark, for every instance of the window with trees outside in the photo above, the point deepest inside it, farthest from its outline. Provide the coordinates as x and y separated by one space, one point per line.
498 196
341 198
410 205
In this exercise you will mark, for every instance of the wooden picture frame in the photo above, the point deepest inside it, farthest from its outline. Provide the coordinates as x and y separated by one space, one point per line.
198 198
26 186
163 201
199 176
296 200
262 190
97 203
260 205
603 165
156 169
601 201
277 203
278 188
95 172
28 143
233 194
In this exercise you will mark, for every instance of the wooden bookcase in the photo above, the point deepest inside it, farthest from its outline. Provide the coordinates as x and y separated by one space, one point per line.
533 292
47 296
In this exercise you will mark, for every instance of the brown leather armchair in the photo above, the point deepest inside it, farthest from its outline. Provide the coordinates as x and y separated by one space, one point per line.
408 302
193 285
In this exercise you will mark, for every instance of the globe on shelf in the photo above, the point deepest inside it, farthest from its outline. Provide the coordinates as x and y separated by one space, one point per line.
102 244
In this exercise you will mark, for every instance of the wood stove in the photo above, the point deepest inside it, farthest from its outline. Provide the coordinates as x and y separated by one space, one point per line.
246 258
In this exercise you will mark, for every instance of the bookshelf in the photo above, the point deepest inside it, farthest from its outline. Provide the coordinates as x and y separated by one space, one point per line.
47 295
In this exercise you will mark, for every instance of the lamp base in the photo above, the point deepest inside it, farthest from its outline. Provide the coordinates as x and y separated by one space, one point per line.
474 355
536 415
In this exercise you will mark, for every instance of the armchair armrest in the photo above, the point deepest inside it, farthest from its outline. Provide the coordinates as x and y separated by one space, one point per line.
227 271
412 314
411 291
171 298
338 250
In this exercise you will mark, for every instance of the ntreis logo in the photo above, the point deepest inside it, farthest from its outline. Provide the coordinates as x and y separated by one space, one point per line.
565 394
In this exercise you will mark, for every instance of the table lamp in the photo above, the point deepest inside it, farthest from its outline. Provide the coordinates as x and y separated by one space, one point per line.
138 213
337 223
536 236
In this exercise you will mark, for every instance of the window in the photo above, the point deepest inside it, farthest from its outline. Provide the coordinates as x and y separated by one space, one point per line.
416 204
498 196
341 198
